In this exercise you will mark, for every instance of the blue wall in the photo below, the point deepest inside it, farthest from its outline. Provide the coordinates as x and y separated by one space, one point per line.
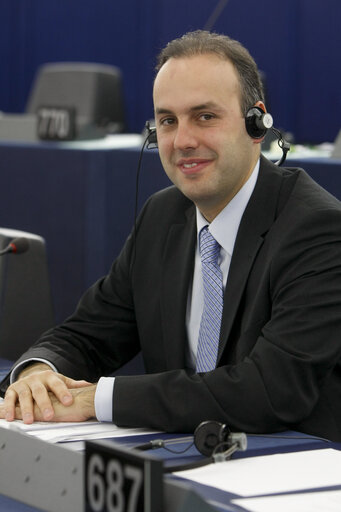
295 42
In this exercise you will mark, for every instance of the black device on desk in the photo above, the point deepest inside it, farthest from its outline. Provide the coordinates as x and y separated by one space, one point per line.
212 439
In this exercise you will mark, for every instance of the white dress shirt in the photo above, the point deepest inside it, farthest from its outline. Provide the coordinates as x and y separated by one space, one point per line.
224 229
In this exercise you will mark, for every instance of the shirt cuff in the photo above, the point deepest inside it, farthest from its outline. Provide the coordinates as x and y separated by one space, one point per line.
19 367
104 399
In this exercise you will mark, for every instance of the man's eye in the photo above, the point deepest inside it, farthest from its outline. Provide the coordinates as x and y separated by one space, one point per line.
167 121
206 117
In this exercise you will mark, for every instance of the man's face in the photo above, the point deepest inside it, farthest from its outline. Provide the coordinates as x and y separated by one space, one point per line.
203 144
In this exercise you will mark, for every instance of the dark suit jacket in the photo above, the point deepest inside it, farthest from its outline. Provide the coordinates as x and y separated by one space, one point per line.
280 346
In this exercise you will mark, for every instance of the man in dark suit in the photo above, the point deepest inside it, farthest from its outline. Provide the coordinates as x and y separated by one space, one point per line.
250 338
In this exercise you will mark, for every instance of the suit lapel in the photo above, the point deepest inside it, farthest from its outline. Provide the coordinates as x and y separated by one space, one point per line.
258 217
178 263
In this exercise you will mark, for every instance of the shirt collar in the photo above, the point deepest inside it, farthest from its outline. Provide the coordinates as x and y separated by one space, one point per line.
225 226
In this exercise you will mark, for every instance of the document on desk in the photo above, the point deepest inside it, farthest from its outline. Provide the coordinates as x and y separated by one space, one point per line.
271 474
328 501
74 434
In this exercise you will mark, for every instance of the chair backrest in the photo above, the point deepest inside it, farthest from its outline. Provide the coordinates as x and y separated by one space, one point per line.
93 90
336 153
25 297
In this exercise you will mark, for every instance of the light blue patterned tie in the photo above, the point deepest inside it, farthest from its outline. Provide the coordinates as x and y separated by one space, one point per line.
213 303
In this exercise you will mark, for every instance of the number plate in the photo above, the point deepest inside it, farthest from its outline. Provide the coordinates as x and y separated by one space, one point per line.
118 479
56 123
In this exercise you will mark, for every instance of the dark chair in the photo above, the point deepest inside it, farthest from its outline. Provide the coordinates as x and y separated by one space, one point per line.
25 297
94 91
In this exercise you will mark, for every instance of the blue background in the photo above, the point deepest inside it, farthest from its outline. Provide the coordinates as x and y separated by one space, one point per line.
295 42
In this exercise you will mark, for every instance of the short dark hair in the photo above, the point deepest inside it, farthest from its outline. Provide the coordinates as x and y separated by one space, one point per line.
203 42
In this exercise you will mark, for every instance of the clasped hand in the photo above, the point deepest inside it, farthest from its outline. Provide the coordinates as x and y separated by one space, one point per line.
40 394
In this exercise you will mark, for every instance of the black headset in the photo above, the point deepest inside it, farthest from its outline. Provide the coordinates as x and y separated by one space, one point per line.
257 123
211 438
214 440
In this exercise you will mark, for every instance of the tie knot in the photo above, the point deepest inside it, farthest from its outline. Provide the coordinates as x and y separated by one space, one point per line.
209 247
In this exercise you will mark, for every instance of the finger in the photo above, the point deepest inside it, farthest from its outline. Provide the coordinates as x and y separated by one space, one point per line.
59 385
25 400
43 402
8 407
71 383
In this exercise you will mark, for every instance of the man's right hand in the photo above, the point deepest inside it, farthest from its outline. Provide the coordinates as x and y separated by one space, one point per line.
32 387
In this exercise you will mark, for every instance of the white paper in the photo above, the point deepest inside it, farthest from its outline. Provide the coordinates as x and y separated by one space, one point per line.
327 501
269 474
68 432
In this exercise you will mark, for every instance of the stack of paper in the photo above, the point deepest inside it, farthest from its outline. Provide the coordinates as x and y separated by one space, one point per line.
72 434
274 474
327 501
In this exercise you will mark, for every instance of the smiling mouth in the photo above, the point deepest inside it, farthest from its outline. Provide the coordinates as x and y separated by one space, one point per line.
189 166
192 167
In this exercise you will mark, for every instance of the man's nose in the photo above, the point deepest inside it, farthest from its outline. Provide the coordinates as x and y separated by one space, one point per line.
185 137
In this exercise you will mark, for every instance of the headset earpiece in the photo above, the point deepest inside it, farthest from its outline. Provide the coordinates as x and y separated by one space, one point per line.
151 134
208 435
257 122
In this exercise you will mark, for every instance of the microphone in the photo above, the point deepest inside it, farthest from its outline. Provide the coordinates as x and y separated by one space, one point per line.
17 246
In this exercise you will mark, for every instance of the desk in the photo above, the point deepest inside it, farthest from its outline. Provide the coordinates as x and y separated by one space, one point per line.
80 197
279 443
220 500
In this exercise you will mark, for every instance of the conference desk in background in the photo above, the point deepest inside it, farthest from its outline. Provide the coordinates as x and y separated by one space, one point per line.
80 197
